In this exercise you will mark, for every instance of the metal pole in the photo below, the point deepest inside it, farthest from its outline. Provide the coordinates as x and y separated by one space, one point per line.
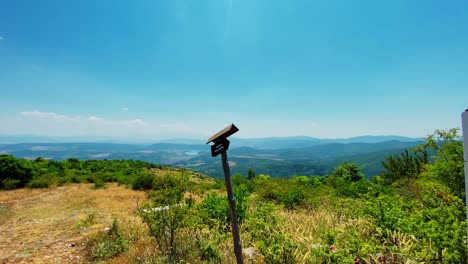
232 207
465 155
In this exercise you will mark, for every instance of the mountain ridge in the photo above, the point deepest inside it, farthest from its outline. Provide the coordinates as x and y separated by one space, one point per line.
290 159
266 142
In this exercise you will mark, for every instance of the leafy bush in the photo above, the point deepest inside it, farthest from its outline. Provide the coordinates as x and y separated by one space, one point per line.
143 181
214 212
214 209
10 184
291 198
165 214
107 244
263 227
408 164
62 180
207 246
241 196
237 179
352 189
39 183
14 173
99 184
74 178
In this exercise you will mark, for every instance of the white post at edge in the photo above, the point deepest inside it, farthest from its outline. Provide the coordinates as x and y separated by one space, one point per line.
465 154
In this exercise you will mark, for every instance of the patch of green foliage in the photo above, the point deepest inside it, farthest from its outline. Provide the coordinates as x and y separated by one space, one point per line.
107 244
166 214
263 226
14 173
41 173
39 183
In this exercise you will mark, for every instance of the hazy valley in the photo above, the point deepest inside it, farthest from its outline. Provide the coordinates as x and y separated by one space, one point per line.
278 157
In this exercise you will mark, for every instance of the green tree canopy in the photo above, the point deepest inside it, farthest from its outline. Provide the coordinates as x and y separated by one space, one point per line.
14 173
348 171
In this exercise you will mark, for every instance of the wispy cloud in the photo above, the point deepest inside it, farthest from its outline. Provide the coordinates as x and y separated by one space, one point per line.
95 118
1 38
48 115
125 109
137 122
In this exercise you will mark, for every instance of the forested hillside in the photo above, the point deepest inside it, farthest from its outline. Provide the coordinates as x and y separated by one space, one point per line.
413 212
297 156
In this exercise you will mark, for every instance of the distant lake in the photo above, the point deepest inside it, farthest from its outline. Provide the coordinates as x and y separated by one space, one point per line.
192 152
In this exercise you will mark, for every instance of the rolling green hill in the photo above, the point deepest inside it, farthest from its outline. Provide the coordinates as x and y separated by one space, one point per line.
316 159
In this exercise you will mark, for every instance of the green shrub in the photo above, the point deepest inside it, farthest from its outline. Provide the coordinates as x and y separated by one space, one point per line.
218 185
62 180
73 178
107 244
109 177
14 173
39 183
237 179
263 225
143 181
207 247
165 215
90 178
355 189
214 211
99 184
291 198
241 196
10 184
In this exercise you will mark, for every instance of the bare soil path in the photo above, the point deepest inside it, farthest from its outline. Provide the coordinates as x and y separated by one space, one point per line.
50 225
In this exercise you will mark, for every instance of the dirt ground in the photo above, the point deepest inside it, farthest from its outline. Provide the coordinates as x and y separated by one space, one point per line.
51 225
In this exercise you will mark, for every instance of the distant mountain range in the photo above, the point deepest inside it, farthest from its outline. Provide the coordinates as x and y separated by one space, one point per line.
301 142
271 143
279 157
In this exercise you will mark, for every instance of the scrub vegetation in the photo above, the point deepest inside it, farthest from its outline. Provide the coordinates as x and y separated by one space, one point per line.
137 212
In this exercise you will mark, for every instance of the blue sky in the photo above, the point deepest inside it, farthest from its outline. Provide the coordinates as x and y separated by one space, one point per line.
185 68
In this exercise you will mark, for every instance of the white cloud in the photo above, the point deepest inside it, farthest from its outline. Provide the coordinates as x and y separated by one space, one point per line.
85 124
132 122
125 109
95 118
137 122
48 115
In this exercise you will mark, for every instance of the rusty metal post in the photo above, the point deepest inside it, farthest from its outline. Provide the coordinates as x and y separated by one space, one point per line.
232 207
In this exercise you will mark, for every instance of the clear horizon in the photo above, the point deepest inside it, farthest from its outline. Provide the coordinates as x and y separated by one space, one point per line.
183 69
18 138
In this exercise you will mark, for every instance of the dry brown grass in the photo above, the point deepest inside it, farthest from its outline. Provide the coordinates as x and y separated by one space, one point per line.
307 228
54 225
50 225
